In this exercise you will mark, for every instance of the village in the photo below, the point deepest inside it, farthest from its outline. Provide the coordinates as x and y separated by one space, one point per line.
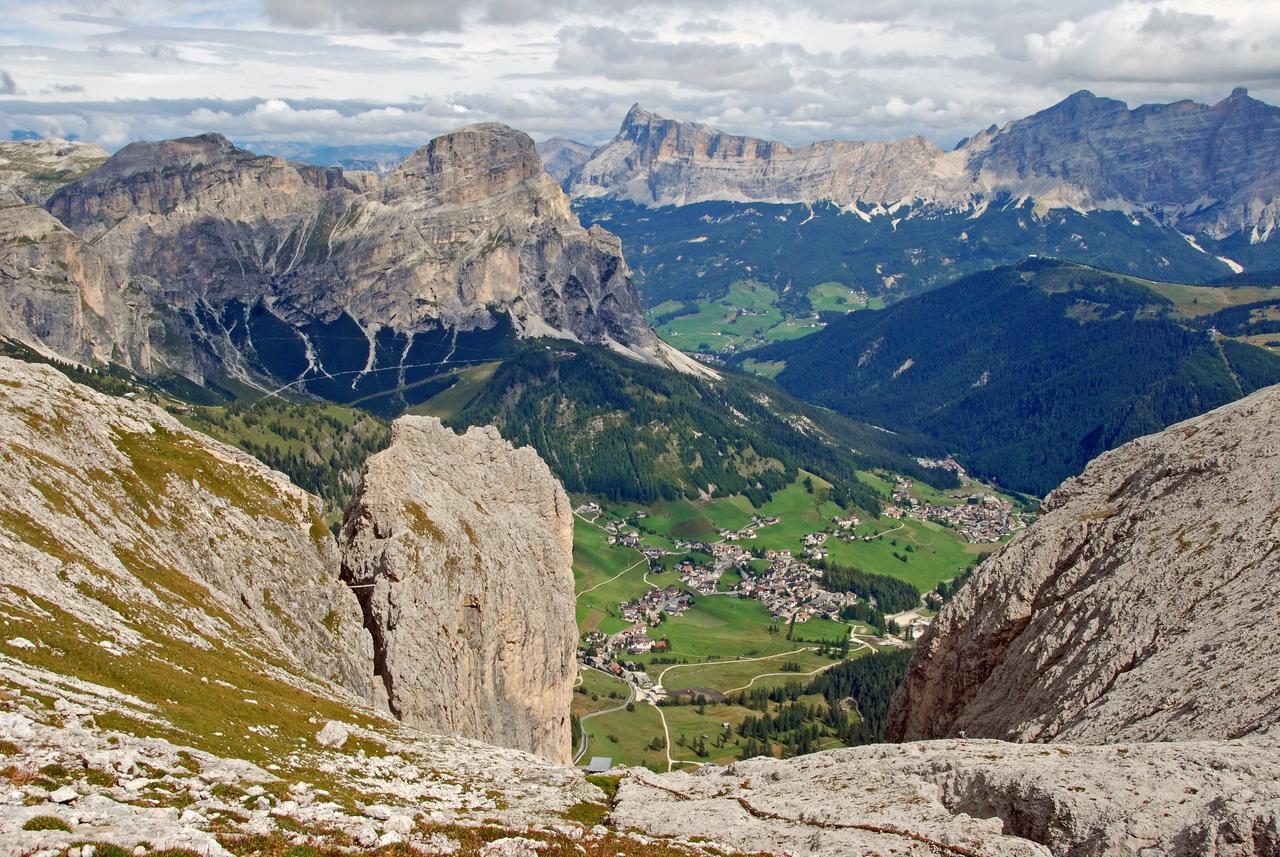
982 519
784 583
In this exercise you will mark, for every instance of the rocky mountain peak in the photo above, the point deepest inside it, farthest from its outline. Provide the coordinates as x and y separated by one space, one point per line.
159 155
636 117
466 165
561 157
468 235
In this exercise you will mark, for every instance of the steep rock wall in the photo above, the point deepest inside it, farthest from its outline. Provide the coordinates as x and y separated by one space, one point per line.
460 549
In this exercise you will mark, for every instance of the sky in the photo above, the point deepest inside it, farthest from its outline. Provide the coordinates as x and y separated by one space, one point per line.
395 72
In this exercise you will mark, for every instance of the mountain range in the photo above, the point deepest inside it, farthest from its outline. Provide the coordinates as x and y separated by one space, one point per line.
1181 192
1207 169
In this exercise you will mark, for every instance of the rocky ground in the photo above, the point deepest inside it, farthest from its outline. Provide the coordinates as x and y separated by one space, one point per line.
67 779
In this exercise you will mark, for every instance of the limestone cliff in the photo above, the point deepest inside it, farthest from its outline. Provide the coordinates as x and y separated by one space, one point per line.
303 273
1141 606
460 549
57 295
119 524
659 161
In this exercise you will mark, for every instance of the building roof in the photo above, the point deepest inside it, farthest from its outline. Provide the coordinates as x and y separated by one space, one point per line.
599 764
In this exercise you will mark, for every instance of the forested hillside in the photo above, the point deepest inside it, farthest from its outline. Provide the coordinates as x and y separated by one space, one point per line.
1028 371
628 431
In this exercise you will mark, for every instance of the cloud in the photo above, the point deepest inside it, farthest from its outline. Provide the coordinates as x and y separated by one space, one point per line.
1143 42
360 71
7 86
615 55
387 16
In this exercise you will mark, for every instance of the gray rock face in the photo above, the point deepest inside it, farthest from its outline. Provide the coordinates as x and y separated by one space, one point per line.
659 161
460 550
972 798
57 294
561 157
1141 606
128 525
466 233
1208 169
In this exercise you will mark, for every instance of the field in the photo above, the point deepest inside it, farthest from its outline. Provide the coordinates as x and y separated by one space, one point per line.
449 402
726 676
837 297
596 568
597 692
623 736
935 553
720 626
932 552
747 315
764 368
1205 300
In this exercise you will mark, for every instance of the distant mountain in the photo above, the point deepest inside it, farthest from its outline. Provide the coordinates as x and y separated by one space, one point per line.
30 170
1027 372
380 158
561 157
1210 169
194 257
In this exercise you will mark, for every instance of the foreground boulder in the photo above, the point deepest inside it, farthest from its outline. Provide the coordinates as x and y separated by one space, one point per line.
971 798
1141 606
460 549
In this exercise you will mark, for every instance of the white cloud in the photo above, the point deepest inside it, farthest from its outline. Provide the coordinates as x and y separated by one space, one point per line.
1191 43
361 71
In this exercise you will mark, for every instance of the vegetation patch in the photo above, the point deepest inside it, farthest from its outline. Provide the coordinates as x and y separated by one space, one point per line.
46 822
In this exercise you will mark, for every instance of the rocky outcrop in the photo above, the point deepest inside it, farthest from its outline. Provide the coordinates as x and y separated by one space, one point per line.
1207 169
658 161
460 549
1140 606
561 157
31 170
970 798
366 277
119 524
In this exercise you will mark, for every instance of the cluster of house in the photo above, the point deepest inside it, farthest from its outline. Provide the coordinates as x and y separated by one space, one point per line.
789 589
703 579
981 519
605 654
813 545
656 604
749 530
947 463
